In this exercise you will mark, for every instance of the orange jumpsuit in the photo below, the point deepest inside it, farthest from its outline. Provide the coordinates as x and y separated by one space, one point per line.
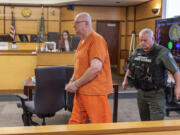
91 102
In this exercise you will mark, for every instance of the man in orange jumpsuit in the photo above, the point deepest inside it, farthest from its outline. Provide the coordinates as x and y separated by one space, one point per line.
91 81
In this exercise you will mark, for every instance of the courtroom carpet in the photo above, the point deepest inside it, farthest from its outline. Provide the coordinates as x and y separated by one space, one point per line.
10 115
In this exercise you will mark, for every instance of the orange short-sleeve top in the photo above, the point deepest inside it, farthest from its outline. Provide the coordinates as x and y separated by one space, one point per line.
93 47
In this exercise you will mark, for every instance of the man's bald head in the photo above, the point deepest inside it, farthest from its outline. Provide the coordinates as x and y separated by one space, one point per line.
83 25
84 17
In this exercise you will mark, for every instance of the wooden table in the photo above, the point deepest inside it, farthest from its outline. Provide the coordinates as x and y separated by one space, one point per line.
29 86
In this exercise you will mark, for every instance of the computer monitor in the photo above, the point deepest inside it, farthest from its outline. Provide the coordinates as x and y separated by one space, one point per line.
168 34
50 46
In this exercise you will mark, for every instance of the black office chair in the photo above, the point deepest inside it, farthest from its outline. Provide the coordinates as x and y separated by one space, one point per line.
49 94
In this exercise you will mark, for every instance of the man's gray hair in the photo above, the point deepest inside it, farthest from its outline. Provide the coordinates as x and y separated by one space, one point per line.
86 16
146 31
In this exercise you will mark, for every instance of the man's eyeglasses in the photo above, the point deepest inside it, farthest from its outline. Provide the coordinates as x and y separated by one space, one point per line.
77 22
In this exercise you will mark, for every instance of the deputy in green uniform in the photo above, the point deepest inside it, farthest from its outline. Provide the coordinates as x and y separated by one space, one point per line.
148 72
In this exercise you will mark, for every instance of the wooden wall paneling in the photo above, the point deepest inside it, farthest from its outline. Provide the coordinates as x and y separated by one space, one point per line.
94 25
124 54
24 27
137 42
2 26
53 13
119 48
67 25
1 12
123 28
2 17
123 57
148 23
126 28
130 28
53 26
36 13
103 13
145 10
7 26
122 63
66 14
47 20
120 27
123 45
59 19
128 41
130 13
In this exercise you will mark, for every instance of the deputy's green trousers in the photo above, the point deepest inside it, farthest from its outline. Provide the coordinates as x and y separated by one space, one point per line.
151 104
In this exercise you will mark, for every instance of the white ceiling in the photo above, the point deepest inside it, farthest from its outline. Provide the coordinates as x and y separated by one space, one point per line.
77 2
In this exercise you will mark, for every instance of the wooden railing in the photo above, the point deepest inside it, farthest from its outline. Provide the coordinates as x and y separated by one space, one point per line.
21 64
166 127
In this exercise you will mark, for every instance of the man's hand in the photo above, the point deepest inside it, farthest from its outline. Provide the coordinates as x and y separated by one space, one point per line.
124 84
177 86
177 92
71 87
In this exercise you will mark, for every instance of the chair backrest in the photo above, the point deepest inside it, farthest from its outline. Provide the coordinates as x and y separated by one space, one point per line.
69 72
50 85
70 96
75 41
54 36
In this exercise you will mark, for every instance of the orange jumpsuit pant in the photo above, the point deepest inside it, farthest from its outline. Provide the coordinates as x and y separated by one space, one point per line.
94 108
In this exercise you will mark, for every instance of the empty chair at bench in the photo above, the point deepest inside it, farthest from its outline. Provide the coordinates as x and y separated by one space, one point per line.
49 94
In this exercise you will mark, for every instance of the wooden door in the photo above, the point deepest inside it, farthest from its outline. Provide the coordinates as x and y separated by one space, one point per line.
110 31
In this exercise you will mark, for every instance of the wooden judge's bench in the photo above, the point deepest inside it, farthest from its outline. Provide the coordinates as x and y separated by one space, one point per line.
18 65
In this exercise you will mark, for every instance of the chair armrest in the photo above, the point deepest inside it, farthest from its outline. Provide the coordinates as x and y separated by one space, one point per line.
22 97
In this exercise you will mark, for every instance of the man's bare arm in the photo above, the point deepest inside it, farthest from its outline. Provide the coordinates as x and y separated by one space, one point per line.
90 73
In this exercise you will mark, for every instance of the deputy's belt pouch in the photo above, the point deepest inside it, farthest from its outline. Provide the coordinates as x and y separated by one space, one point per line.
131 81
151 89
146 86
